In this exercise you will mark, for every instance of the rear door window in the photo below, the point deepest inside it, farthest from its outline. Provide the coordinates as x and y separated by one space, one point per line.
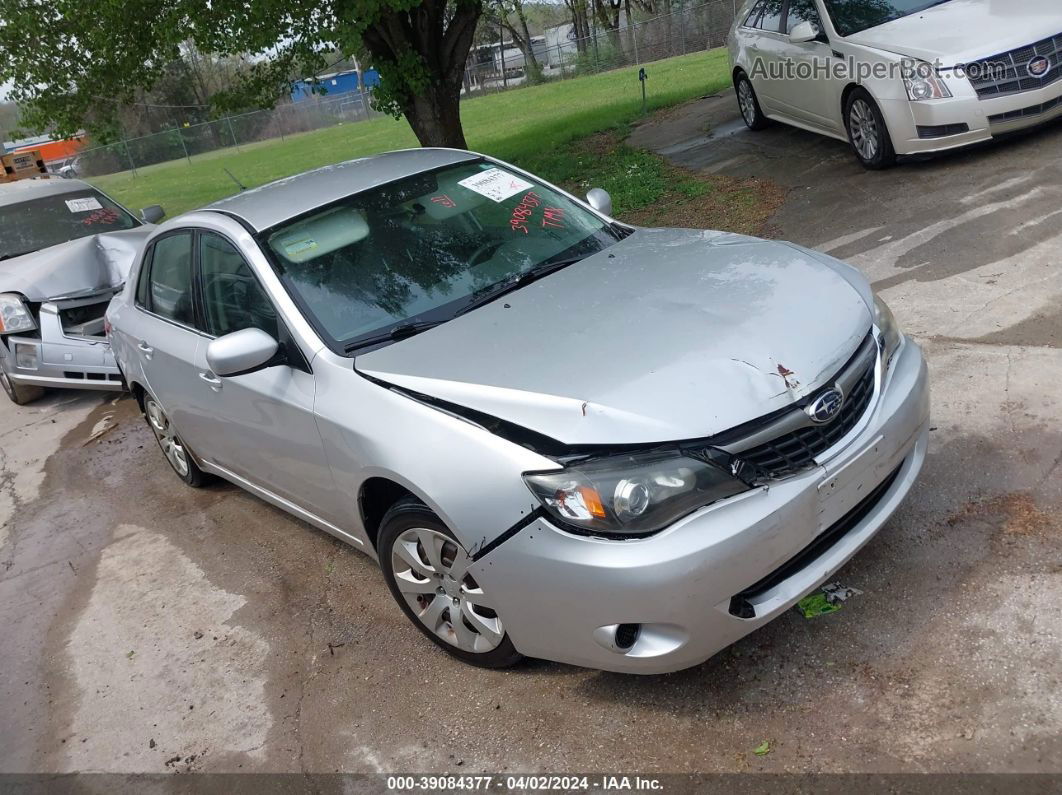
754 14
771 20
169 289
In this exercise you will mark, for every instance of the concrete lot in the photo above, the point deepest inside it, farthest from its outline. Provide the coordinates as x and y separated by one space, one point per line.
150 627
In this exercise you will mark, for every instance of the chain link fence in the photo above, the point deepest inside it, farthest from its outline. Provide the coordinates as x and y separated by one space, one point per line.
561 53
558 55
187 141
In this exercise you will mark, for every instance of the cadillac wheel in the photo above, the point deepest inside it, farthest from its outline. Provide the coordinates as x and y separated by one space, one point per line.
172 446
427 570
867 132
749 104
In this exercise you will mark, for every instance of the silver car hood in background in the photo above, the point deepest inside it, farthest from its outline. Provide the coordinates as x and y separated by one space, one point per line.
670 334
78 267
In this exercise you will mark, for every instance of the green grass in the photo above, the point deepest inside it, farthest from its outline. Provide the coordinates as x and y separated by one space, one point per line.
532 126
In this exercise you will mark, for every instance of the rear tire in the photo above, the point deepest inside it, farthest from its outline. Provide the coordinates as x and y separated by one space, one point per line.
20 394
748 103
425 567
175 451
867 131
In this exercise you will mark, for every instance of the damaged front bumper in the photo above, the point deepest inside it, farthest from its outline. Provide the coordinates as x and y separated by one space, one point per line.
673 600
68 351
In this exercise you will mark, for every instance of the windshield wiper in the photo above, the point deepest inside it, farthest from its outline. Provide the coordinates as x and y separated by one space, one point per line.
400 332
18 254
485 296
497 290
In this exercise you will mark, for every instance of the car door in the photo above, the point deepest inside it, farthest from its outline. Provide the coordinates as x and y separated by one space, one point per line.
161 332
809 91
264 419
767 50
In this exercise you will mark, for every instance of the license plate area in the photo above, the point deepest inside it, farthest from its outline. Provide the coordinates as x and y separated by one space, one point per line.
845 487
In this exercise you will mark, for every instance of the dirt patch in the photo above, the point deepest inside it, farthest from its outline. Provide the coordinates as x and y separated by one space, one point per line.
647 190
731 204
1018 511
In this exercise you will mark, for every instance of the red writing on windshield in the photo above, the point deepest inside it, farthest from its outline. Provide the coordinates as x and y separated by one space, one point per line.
553 217
105 216
444 200
523 211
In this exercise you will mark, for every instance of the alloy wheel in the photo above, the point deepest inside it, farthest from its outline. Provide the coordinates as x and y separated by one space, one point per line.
6 383
747 102
168 440
863 126
431 572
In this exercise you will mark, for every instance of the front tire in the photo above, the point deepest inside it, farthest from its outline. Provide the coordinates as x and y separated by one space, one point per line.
426 568
867 131
177 455
748 103
19 394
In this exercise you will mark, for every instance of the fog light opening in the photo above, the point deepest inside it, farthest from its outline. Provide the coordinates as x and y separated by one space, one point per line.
627 636
25 356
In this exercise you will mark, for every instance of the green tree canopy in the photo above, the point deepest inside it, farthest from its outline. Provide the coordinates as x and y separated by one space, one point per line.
75 64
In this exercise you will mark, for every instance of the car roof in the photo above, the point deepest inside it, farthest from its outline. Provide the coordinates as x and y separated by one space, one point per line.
286 198
25 190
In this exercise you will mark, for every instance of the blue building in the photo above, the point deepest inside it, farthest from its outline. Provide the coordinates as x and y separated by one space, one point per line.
335 83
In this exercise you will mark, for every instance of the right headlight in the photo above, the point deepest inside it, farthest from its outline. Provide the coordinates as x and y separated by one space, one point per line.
15 315
923 82
635 494
891 336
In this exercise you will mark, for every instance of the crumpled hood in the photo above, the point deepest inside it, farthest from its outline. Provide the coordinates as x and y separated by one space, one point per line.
78 267
670 334
964 31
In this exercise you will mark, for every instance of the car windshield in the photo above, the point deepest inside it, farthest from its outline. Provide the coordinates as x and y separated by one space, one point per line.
50 220
424 248
853 16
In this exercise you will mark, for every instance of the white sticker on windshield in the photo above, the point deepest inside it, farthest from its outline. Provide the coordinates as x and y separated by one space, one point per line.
83 205
495 184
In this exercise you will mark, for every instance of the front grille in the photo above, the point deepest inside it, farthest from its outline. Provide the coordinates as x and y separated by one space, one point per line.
942 130
797 450
1026 113
1008 72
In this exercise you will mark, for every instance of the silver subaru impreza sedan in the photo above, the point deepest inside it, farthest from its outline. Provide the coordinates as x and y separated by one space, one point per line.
560 436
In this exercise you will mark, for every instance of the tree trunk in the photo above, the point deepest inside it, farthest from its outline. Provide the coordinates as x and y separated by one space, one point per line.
522 38
435 116
439 37
580 23
534 69
607 13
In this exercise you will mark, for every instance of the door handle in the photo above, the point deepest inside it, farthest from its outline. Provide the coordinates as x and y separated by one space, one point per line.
215 382
145 349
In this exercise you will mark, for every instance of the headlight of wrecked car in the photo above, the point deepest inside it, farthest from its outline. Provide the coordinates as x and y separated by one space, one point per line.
636 494
15 315
891 336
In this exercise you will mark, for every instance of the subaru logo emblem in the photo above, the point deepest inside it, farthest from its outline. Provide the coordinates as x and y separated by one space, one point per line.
826 406
1038 66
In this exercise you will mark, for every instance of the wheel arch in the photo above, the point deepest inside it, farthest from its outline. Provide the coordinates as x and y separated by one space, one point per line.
850 89
376 496
138 393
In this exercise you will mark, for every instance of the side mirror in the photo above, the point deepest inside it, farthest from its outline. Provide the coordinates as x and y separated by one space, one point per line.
600 201
804 31
152 214
241 352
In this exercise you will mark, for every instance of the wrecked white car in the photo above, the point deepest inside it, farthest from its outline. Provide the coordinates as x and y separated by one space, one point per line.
65 250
